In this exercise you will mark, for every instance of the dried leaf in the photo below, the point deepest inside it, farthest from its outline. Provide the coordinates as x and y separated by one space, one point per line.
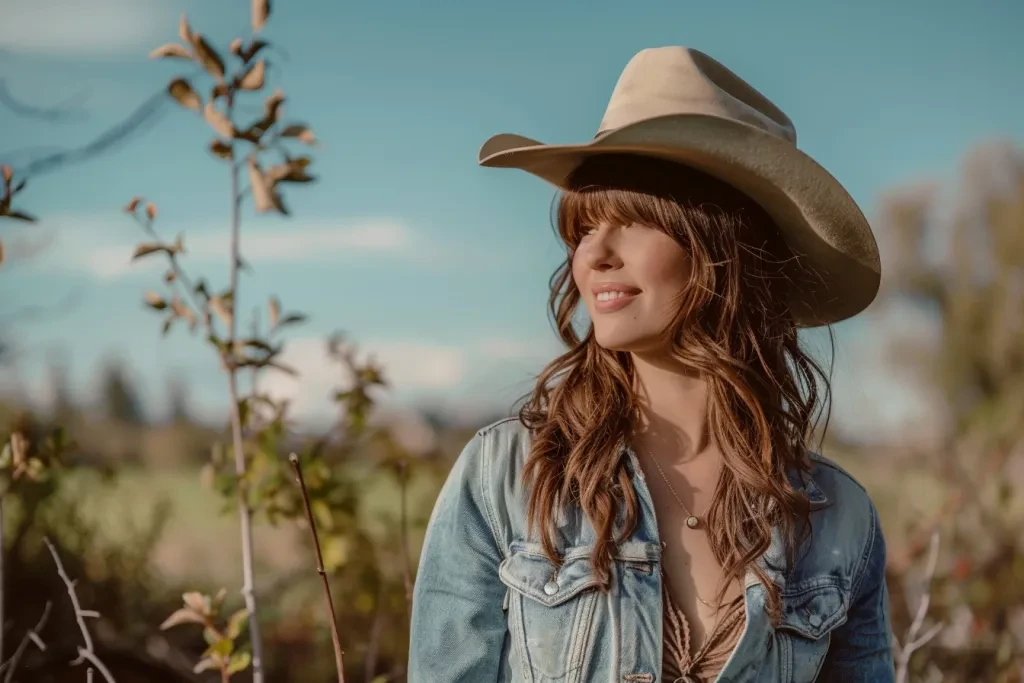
294 319
289 172
221 310
1 253
253 78
222 149
184 615
274 306
182 91
18 188
219 90
21 216
196 601
218 120
208 56
253 48
151 211
183 30
260 12
155 301
170 276
205 664
236 47
7 172
167 325
172 50
261 190
133 204
147 248
272 106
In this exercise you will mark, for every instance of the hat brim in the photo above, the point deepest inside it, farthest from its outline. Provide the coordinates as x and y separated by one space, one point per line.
836 270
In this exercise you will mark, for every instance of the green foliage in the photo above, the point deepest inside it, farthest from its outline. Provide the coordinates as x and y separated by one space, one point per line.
221 634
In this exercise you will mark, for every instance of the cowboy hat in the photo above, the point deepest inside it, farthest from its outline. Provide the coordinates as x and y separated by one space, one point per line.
679 104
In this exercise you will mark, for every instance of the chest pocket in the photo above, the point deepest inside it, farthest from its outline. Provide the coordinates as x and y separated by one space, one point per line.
550 614
809 615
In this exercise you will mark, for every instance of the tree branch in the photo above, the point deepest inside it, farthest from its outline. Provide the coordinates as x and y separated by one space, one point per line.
32 635
88 652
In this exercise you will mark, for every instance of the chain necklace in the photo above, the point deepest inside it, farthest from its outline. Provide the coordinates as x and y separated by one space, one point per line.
692 520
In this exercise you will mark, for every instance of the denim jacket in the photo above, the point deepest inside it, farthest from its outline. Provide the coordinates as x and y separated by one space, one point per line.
488 606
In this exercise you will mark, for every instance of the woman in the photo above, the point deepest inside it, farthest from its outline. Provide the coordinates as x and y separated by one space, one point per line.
654 513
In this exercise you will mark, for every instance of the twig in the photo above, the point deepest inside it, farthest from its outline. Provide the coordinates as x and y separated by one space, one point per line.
241 467
403 478
31 636
335 637
1 578
86 653
914 642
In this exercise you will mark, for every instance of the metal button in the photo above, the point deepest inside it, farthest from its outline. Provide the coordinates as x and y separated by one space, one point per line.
550 587
815 620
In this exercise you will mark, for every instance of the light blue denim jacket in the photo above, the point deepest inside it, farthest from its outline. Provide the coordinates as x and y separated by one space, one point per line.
488 607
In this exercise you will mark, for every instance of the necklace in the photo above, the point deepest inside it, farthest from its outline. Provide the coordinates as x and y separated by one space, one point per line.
692 520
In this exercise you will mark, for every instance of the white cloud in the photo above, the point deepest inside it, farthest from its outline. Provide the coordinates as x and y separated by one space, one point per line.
410 367
92 248
75 27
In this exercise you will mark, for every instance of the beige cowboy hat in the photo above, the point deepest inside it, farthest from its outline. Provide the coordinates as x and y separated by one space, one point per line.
679 104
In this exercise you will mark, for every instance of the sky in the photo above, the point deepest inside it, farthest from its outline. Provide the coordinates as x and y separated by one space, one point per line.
437 266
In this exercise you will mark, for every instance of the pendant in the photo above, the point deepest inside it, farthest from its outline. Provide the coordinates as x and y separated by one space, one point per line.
692 522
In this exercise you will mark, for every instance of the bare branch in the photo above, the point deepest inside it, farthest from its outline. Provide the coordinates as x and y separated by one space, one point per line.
913 642
32 635
86 653
335 638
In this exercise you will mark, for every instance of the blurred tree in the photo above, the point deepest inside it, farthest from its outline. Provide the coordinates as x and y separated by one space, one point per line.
118 396
956 259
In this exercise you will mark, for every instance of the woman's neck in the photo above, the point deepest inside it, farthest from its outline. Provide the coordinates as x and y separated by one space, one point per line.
674 409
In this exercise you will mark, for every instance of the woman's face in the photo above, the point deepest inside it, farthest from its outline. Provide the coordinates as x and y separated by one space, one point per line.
630 278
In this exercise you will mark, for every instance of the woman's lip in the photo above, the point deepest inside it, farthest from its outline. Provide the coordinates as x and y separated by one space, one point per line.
609 305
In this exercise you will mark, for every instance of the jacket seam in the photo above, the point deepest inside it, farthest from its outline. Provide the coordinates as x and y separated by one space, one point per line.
866 555
485 477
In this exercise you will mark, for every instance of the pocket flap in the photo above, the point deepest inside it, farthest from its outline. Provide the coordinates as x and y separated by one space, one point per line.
533 575
812 612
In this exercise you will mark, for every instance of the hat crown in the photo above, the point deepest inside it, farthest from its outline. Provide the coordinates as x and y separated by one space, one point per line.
666 81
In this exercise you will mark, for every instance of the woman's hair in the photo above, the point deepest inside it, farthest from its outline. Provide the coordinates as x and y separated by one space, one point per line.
733 328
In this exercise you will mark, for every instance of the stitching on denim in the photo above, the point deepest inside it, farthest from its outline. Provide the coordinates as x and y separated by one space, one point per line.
638 678
485 490
865 557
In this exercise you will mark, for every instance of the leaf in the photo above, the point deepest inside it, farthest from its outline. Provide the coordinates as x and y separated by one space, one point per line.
253 48
184 615
183 30
155 301
151 211
7 172
237 622
218 120
262 193
272 105
1 253
222 149
236 47
208 56
274 307
260 13
253 78
172 50
218 599
167 325
238 662
21 216
182 91
294 319
205 664
223 647
221 310
147 248
196 601
133 204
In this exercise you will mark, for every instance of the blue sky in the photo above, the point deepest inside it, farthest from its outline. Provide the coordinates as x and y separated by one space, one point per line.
437 265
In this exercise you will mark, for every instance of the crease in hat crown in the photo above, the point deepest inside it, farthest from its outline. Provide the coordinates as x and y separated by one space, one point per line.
677 80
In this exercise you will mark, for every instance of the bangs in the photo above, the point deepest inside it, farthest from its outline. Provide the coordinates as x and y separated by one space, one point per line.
583 209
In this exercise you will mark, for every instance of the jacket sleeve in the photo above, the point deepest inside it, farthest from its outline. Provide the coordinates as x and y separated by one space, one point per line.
860 650
458 626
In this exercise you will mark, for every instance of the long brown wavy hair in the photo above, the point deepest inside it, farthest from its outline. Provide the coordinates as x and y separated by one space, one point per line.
733 328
